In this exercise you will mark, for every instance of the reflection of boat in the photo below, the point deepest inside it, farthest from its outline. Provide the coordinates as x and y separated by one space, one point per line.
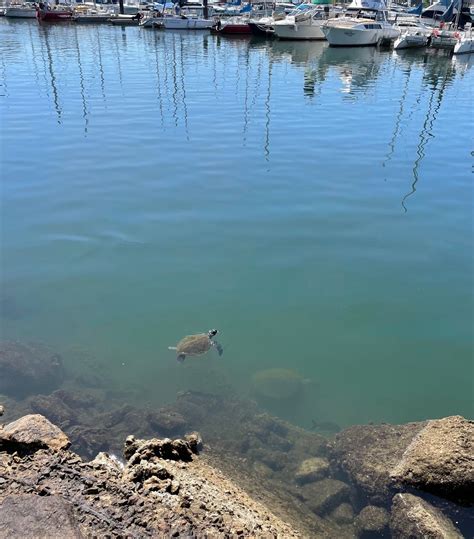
365 23
465 44
54 15
304 25
20 11
412 34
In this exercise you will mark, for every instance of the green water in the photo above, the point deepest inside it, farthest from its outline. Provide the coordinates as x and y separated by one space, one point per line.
313 204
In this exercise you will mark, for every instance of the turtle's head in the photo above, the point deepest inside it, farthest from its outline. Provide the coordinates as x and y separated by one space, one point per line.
212 333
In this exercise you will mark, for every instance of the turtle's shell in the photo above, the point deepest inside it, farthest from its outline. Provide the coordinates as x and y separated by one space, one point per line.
277 384
194 345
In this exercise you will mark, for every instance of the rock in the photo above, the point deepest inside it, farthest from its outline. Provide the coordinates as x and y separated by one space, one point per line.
138 450
53 409
41 517
167 421
34 432
368 453
2 410
109 462
325 495
311 470
440 460
195 442
343 514
28 368
372 521
414 518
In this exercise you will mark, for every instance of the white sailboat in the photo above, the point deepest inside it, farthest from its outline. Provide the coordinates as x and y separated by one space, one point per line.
364 23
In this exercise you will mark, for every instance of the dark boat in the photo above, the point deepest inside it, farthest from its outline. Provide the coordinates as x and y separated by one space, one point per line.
232 28
261 30
53 15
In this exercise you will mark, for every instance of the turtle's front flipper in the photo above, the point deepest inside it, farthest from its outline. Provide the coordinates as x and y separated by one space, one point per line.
181 357
218 347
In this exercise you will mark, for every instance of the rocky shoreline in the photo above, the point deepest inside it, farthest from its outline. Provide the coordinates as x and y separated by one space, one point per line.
255 475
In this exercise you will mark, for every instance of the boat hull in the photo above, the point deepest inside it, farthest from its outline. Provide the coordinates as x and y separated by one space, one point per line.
261 30
20 13
353 37
91 19
297 31
53 15
410 41
465 46
171 23
233 30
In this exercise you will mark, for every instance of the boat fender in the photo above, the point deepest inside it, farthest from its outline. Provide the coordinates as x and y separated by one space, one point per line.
457 35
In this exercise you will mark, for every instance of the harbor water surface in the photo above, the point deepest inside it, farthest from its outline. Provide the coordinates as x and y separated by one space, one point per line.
313 204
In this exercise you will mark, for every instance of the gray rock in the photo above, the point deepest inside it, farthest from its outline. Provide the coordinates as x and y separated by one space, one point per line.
28 368
372 521
35 431
41 517
325 495
440 460
343 514
312 469
414 518
368 453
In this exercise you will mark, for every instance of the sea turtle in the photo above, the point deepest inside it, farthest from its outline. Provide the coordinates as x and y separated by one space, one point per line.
278 384
196 345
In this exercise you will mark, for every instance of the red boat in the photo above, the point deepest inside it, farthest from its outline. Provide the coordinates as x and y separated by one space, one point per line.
53 14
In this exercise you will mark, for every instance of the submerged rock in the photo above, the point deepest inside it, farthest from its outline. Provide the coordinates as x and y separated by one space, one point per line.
369 453
372 521
440 460
278 384
414 518
325 495
41 517
53 409
28 368
32 432
343 514
167 421
311 470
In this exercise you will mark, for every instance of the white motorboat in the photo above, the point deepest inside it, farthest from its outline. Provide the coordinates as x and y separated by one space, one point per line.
364 23
189 17
465 44
304 25
412 34
184 22
20 11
